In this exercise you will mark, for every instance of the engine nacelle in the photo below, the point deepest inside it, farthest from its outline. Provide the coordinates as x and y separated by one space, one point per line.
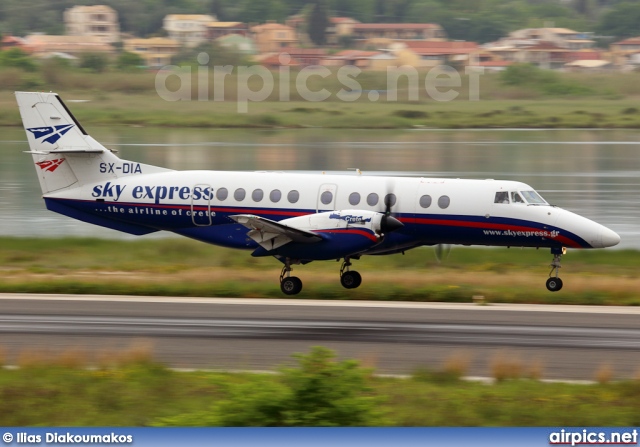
343 233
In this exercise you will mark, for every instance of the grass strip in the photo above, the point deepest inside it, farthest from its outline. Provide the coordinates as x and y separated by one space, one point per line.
129 388
182 267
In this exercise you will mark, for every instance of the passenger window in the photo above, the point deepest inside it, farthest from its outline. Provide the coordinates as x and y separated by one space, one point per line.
502 197
444 202
275 196
354 198
515 198
425 201
293 196
326 197
257 195
372 199
239 194
222 194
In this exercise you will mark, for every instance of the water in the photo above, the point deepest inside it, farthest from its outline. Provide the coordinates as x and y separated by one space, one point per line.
595 173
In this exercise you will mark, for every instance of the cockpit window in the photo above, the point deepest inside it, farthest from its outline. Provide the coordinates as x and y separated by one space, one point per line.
533 198
516 198
502 197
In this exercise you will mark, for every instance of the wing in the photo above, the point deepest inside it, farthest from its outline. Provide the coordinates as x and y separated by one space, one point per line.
271 234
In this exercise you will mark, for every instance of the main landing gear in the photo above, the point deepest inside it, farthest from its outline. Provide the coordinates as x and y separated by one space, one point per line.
554 283
350 279
290 285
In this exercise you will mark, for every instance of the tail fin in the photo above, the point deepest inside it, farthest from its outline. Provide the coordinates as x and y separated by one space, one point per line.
64 154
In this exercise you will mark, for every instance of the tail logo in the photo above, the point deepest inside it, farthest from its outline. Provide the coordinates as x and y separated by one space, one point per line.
50 165
52 133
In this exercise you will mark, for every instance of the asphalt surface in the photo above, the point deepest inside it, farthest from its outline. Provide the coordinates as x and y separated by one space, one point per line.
565 342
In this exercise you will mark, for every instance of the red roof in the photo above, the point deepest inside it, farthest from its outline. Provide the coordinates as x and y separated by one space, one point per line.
494 64
583 56
274 61
343 20
354 54
293 51
428 44
545 46
429 48
399 26
631 41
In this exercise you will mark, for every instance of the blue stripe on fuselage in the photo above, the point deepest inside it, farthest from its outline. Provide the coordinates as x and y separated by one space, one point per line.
428 229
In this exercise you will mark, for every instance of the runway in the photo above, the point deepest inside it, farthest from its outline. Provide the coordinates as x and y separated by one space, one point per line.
566 342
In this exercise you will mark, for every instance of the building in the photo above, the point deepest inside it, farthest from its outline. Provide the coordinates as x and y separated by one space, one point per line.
338 27
238 43
434 53
93 21
365 33
9 42
271 37
358 58
306 56
156 51
188 29
220 29
43 45
561 37
626 52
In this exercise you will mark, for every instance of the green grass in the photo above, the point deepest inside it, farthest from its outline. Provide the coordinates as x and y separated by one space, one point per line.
131 99
131 389
182 267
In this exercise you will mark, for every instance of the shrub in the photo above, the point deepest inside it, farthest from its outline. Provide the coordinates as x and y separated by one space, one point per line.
411 114
94 62
546 81
129 61
321 392
17 58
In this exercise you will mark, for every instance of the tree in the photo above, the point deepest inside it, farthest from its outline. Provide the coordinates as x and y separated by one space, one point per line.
318 23
621 21
17 58
95 62
129 61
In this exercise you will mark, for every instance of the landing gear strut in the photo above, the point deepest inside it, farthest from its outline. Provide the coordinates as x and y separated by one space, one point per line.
290 285
350 279
554 283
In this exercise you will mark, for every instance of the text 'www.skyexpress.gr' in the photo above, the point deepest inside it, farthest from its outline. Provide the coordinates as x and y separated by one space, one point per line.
511 233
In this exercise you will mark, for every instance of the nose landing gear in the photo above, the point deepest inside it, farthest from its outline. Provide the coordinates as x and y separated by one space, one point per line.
350 279
554 283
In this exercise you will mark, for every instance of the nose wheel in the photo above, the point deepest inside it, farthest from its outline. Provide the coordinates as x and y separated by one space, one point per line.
290 285
554 283
350 279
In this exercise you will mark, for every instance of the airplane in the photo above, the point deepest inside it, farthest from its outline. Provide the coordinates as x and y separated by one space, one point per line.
294 217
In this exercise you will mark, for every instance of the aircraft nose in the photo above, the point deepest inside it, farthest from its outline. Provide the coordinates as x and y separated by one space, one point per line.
609 237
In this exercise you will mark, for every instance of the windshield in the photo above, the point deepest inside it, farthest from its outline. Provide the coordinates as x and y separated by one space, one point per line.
533 198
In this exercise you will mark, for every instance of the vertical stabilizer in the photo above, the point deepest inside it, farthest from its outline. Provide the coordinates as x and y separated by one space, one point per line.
65 156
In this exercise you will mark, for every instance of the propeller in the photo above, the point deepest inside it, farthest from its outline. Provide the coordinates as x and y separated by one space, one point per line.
388 223
442 252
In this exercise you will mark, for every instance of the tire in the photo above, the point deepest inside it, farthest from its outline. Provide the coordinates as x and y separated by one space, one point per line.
351 280
554 284
291 285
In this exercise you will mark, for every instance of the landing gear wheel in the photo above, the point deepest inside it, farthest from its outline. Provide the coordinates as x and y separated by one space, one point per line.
351 279
291 285
554 284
